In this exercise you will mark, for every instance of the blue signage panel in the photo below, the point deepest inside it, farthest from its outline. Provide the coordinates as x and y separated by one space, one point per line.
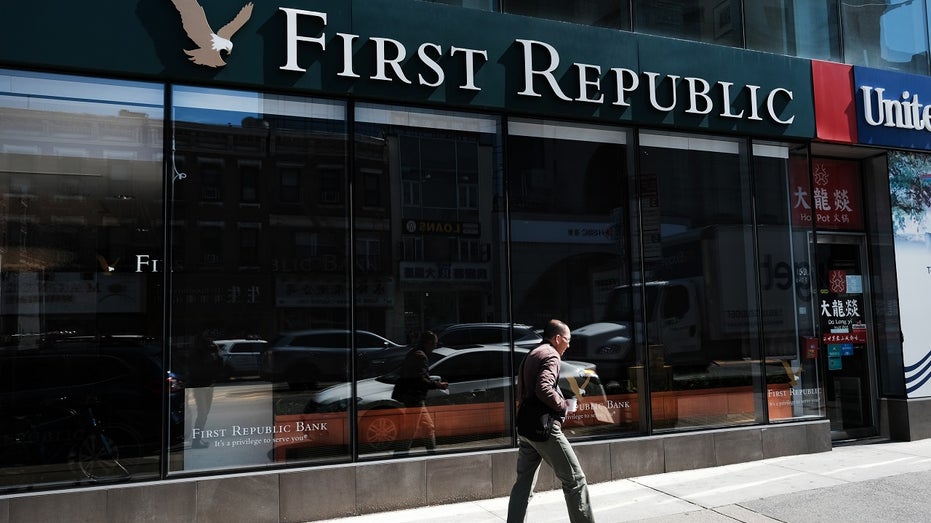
893 109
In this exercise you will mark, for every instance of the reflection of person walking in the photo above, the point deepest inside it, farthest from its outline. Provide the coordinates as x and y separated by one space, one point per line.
411 390
540 375
203 364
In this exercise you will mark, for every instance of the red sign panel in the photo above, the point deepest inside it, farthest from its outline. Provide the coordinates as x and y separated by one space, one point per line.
837 281
835 109
834 195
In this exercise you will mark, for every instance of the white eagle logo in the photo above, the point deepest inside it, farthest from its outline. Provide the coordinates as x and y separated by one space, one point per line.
209 44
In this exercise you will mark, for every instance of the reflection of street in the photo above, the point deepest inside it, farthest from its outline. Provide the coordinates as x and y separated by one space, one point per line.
239 429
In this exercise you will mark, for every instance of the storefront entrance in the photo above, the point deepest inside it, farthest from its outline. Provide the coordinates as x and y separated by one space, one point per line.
846 329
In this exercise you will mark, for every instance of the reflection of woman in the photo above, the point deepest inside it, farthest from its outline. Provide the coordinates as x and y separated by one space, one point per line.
203 364
411 390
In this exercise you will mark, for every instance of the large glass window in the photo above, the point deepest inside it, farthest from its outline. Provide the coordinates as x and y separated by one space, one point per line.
699 283
784 210
601 13
269 271
890 34
571 260
429 257
804 28
81 373
713 22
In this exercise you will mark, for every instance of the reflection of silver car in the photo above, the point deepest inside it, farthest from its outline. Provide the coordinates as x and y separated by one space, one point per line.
474 403
465 334
240 357
305 358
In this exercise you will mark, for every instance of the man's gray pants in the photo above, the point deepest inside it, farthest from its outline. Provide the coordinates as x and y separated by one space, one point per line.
558 454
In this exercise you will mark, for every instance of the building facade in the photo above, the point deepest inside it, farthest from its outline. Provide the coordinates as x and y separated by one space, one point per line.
224 225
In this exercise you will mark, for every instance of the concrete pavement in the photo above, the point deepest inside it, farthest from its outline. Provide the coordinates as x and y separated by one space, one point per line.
861 482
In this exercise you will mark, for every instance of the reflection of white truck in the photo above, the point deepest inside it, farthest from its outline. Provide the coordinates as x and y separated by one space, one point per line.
702 305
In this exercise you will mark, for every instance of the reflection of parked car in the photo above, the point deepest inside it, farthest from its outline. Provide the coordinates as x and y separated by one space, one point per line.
465 334
305 358
473 405
51 393
240 357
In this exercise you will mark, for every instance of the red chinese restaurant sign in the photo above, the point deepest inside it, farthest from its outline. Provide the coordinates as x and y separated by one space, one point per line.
834 195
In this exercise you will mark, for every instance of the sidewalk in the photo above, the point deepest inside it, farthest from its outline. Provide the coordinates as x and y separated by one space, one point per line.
869 482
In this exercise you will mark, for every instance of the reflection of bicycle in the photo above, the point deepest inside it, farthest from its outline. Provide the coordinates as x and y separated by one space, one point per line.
97 454
61 434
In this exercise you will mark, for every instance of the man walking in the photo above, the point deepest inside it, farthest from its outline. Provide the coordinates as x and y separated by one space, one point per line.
539 377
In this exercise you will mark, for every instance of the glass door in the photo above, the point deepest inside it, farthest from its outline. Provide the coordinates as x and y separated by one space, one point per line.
846 332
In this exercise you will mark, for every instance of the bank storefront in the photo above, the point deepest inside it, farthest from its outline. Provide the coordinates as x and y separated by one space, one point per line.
216 248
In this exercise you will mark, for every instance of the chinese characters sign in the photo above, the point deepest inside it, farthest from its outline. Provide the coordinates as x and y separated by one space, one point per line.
834 195
841 316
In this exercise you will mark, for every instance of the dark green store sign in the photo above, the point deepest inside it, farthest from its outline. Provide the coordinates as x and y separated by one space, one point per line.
407 51
538 65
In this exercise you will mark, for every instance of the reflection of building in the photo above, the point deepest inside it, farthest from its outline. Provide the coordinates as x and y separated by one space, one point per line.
446 189
259 243
79 199
450 167
445 241
568 218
